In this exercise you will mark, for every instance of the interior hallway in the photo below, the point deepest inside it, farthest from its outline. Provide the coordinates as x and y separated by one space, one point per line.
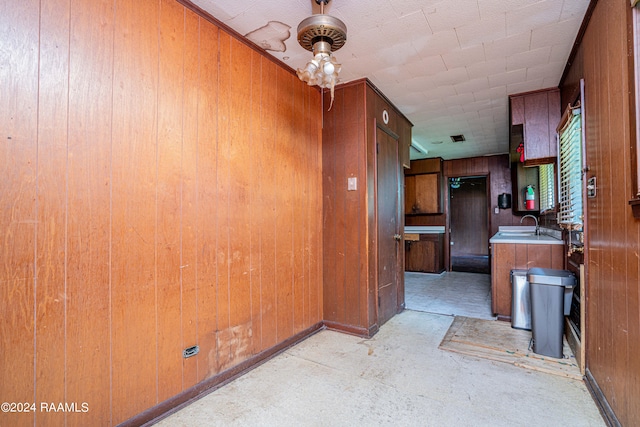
399 378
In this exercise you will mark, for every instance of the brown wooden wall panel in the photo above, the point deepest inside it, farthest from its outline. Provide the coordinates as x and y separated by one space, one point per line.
88 356
353 204
285 142
189 197
18 153
169 187
612 234
222 213
268 191
206 203
134 211
257 204
164 189
51 206
238 337
349 217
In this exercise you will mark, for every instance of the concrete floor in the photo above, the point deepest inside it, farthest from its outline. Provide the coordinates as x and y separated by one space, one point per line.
397 378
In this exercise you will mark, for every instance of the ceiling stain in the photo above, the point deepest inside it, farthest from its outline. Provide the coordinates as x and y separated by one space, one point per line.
271 36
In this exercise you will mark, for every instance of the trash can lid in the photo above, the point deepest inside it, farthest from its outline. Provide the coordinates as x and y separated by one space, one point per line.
549 276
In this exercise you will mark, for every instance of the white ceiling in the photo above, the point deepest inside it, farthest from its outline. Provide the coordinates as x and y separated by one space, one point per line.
448 65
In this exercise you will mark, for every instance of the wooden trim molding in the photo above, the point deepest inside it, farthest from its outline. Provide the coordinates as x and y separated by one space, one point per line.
181 400
352 330
600 399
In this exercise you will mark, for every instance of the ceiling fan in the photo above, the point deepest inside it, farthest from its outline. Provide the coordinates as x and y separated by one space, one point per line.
321 34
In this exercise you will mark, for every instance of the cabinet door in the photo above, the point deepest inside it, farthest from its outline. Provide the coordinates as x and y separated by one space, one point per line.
534 117
425 255
422 194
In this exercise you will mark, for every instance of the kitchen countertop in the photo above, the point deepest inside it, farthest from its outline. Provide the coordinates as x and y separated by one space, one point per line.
523 235
424 229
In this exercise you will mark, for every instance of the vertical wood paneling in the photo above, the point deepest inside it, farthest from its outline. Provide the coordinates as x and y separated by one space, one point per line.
169 168
618 192
256 203
175 179
299 225
51 207
18 124
207 202
88 349
350 270
351 130
189 196
316 208
238 338
284 204
612 284
223 210
329 207
269 189
133 212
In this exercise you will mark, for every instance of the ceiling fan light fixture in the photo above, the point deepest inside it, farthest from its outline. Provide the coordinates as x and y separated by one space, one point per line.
321 34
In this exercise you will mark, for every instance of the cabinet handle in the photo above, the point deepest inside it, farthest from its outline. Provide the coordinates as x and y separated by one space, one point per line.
397 237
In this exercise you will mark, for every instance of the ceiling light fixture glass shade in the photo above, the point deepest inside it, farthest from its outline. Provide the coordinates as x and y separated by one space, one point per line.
321 34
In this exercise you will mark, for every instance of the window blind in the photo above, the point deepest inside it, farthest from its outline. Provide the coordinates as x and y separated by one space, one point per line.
570 172
546 185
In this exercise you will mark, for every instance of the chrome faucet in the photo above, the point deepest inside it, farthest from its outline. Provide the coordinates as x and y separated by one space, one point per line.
535 219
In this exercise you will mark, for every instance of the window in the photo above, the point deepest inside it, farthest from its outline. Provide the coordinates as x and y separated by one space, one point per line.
546 184
570 214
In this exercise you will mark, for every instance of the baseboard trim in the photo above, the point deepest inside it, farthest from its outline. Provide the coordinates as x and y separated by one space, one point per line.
603 405
185 398
352 330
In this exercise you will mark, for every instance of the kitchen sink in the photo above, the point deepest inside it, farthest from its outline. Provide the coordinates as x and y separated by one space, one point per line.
516 234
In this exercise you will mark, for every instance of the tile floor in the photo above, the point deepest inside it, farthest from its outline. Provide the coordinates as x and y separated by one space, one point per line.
451 293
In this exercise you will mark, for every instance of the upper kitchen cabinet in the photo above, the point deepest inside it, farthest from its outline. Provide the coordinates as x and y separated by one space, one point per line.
534 118
423 182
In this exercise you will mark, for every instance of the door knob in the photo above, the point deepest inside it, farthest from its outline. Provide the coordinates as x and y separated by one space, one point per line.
397 237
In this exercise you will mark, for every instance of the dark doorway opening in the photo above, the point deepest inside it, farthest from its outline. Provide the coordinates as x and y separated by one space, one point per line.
469 250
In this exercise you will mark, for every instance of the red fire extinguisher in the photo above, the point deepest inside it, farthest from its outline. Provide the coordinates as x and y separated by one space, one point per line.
530 197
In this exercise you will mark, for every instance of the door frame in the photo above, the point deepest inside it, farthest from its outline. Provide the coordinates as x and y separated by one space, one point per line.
447 208
400 222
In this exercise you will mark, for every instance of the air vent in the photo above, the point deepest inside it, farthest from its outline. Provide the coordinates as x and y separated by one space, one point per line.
457 138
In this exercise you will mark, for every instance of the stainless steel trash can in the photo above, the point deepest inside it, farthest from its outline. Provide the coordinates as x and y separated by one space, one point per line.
551 292
520 300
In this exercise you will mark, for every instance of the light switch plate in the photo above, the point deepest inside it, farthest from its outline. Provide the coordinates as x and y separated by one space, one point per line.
352 183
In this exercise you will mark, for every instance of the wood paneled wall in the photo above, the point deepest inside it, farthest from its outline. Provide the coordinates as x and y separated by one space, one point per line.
350 233
161 188
612 234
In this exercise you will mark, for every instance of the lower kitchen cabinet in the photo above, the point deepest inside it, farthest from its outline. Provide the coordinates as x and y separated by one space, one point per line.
508 256
425 253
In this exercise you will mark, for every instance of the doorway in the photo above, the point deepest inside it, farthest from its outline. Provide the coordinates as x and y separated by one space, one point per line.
390 272
468 224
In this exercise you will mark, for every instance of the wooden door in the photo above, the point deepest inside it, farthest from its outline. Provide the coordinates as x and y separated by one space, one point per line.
469 222
390 288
